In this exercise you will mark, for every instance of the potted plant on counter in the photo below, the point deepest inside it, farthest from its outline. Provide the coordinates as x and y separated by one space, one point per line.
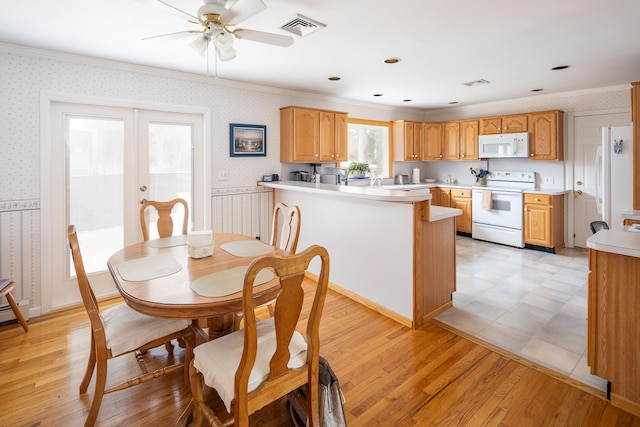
358 170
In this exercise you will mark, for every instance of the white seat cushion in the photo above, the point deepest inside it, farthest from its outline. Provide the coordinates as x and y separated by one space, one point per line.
127 329
218 360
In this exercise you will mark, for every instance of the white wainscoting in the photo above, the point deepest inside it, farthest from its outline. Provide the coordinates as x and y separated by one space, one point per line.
20 253
242 210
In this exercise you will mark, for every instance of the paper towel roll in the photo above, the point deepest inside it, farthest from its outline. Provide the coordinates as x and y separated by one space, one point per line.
416 176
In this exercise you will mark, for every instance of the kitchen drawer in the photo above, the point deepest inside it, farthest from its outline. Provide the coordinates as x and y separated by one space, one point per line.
540 199
455 192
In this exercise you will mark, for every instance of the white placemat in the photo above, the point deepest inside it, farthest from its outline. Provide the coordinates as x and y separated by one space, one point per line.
227 282
148 268
167 242
247 248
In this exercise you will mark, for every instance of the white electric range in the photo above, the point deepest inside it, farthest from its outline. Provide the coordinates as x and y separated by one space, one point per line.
497 208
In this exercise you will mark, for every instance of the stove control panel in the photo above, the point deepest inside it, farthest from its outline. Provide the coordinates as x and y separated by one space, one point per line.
512 176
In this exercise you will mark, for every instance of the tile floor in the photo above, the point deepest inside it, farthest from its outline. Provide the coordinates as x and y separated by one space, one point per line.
531 303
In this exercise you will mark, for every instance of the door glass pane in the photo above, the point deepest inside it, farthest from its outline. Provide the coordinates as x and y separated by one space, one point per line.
95 148
170 163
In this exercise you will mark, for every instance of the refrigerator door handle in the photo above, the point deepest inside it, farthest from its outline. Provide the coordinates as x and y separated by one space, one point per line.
598 171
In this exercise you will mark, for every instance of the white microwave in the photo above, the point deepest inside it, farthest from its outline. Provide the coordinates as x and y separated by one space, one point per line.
504 145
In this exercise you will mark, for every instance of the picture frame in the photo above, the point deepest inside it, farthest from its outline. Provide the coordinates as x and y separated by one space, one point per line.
247 140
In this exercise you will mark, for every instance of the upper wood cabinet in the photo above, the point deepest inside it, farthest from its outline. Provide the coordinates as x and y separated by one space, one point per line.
432 142
407 140
451 140
460 140
635 118
469 141
545 142
308 135
333 136
504 124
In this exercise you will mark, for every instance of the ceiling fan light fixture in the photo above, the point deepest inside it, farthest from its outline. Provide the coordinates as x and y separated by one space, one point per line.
199 44
211 7
223 42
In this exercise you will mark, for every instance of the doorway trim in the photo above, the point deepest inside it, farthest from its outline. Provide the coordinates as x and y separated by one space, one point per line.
570 170
202 216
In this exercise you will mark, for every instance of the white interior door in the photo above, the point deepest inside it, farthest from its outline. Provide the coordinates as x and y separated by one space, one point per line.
104 160
587 139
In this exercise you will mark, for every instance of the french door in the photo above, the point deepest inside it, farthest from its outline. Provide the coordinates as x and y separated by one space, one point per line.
105 161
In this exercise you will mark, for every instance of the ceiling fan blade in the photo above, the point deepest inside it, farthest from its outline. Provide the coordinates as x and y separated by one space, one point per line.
241 10
177 35
262 37
179 10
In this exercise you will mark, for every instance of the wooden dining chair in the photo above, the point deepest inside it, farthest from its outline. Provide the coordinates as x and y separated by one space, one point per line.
285 227
285 231
6 286
257 365
121 330
165 222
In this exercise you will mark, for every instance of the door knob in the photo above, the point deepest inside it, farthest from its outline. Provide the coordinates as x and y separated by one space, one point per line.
143 188
579 183
143 201
579 192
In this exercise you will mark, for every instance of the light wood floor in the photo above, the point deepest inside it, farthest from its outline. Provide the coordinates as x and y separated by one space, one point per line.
390 375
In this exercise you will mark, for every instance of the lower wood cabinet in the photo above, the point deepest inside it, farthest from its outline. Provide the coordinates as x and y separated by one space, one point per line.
613 347
544 221
455 198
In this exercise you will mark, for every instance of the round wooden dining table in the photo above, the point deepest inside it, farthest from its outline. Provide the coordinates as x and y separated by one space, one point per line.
171 296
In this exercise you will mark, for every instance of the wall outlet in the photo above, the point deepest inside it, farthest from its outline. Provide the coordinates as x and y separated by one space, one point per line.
222 175
548 180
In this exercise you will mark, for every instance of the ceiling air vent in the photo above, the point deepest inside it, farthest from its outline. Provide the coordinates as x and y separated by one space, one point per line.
477 82
301 25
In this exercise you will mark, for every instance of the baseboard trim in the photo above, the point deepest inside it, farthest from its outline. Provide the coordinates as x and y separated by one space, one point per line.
365 302
625 404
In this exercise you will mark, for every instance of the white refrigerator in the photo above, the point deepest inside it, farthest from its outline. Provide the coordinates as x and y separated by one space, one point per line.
614 179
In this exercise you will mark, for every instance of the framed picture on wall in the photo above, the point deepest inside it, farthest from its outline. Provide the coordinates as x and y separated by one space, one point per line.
247 140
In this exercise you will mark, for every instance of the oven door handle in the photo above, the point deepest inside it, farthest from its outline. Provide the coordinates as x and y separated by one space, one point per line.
506 193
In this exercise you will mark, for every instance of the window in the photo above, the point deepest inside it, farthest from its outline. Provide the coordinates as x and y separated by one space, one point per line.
369 143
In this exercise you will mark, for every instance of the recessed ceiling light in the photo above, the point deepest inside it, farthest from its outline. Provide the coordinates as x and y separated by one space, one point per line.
560 67
377 94
334 78
537 90
392 60
407 100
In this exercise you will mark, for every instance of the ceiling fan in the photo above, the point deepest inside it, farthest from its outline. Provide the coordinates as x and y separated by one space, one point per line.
218 25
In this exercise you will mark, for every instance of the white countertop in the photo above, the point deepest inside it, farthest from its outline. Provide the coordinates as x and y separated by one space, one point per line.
436 213
635 215
616 241
375 192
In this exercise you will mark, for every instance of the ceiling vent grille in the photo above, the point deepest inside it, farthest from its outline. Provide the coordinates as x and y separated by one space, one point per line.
477 82
301 25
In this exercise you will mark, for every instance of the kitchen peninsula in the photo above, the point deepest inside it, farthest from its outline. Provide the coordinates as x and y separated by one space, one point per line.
390 249
613 347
